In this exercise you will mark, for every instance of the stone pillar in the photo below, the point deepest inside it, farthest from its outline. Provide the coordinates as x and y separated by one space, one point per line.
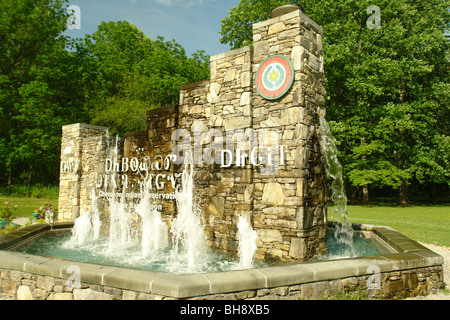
75 154
289 211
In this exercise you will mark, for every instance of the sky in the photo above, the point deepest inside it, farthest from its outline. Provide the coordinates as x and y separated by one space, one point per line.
194 24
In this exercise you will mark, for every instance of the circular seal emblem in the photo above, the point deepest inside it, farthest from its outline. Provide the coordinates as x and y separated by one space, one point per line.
274 77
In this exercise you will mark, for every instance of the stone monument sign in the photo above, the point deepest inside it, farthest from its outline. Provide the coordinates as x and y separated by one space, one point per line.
252 133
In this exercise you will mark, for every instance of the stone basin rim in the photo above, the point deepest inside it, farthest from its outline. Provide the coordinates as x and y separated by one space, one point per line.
409 255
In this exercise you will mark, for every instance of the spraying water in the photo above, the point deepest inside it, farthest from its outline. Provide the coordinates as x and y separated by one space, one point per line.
87 226
120 235
96 222
120 214
81 231
247 243
188 236
154 230
344 230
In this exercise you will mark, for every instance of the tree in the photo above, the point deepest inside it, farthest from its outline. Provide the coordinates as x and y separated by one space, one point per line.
236 28
131 73
387 88
48 80
38 89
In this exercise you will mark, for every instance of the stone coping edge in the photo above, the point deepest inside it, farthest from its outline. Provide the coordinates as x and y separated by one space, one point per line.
84 125
411 255
287 16
231 53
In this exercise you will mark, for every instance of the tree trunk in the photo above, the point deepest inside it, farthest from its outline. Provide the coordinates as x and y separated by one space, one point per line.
365 188
365 192
29 176
9 179
403 194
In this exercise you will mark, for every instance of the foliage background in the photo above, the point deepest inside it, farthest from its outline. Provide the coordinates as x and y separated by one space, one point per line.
387 89
47 80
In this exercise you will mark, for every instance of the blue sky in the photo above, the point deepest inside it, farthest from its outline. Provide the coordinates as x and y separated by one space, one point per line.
194 24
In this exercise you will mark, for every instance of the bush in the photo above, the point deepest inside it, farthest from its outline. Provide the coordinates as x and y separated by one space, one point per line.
7 212
36 191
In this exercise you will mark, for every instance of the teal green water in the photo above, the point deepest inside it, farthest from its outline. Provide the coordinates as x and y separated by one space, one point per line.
97 252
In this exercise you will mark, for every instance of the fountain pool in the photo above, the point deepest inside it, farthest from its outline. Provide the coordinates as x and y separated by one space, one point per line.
402 268
59 245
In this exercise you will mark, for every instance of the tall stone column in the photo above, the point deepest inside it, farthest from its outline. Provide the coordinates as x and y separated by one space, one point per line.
290 204
73 189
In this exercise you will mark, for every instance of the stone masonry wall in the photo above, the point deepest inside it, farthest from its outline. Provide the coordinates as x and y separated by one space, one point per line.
287 207
17 285
291 210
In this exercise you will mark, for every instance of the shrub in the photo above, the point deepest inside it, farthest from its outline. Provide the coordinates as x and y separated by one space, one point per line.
7 212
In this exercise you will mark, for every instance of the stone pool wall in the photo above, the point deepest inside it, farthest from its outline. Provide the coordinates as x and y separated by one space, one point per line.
16 285
410 271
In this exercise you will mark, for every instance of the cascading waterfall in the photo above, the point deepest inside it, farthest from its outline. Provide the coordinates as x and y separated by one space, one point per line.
247 243
344 230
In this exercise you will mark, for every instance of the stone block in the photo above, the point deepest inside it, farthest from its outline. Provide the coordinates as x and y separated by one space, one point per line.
8 287
261 48
276 28
63 296
297 57
230 75
269 235
273 194
245 98
298 248
24 293
246 79
216 206
89 294
237 123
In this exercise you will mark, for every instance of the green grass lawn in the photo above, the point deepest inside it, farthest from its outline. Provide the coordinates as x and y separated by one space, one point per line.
26 205
429 224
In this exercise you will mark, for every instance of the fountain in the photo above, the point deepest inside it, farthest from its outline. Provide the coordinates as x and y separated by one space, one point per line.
142 226
224 195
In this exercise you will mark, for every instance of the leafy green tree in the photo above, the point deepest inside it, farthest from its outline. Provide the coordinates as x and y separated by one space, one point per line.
387 88
36 88
236 28
131 73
